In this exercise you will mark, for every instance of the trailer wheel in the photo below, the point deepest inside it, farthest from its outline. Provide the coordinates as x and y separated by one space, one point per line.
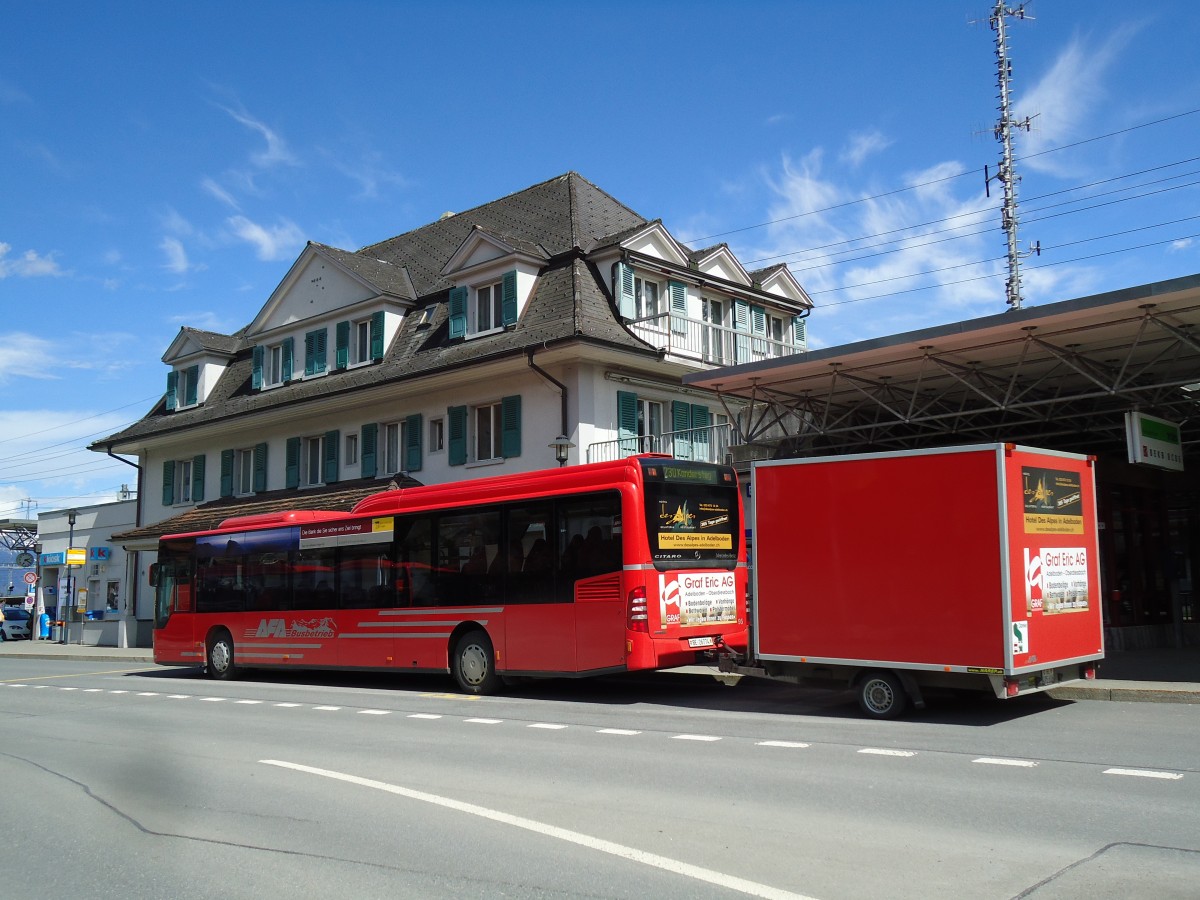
881 695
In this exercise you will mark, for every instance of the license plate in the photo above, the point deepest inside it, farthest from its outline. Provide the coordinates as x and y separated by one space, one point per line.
700 642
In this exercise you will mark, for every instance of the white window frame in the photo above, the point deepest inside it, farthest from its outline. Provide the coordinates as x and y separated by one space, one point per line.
492 303
391 447
487 420
312 448
437 435
360 342
272 371
645 420
243 472
181 388
642 303
183 481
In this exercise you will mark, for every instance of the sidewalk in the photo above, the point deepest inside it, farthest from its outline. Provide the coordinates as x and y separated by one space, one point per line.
1164 675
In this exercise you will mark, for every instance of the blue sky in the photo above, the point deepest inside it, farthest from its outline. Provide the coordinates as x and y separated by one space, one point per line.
162 164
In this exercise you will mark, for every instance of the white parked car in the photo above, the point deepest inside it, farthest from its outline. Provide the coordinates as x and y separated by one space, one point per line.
16 623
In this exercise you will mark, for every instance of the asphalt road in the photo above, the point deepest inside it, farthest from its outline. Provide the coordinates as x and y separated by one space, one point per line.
159 783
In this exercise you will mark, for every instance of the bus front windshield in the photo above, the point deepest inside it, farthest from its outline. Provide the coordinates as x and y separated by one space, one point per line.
692 514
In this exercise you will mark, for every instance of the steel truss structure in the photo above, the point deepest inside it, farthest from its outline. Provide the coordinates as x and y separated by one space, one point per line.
1059 376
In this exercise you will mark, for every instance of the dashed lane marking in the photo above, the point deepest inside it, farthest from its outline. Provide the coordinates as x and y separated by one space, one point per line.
547 725
794 744
694 737
990 761
876 751
1144 773
626 731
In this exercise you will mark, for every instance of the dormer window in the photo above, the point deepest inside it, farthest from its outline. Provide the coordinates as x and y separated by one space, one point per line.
646 296
273 364
361 351
183 387
484 307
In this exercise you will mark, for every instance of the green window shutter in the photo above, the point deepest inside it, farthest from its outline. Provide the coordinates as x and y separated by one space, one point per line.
369 441
458 312
310 353
226 473
701 436
289 352
508 303
172 382
623 291
678 293
193 385
168 485
510 426
741 324
681 422
260 467
342 350
322 350
627 407
800 331
256 371
292 463
377 336
412 443
198 478
456 441
332 441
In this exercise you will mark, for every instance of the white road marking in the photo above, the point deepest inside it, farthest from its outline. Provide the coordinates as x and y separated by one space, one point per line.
179 696
147 693
118 692
288 705
373 712
68 689
327 708
616 731
1144 773
424 716
709 876
548 725
249 702
875 751
795 744
694 737
95 691
484 721
213 699
989 761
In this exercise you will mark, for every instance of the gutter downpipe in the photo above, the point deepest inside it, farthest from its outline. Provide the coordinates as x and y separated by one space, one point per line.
133 580
562 388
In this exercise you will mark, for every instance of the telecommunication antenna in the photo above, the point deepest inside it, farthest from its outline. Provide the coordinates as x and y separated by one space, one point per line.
1006 173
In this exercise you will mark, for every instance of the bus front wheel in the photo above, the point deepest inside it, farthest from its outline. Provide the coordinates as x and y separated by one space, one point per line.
220 657
474 664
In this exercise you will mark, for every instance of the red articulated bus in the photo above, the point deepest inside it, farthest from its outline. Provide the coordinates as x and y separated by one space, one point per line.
608 567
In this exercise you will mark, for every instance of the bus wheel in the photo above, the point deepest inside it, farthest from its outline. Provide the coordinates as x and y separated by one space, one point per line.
474 664
881 695
220 657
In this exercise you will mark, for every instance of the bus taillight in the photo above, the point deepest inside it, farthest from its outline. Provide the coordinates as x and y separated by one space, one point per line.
639 611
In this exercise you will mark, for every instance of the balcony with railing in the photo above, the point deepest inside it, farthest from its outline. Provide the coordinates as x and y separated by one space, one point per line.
708 444
705 342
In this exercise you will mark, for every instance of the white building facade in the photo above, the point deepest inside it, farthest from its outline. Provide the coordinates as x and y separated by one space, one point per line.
468 347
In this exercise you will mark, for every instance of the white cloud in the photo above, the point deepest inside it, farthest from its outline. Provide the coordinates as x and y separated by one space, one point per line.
28 265
779 118
863 145
283 241
177 260
276 152
220 193
371 174
1182 244
1063 103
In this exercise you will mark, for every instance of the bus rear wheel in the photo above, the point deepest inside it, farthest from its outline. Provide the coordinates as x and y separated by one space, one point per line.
220 657
881 695
474 664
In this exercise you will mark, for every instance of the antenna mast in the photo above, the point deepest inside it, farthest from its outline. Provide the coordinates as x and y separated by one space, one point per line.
1006 173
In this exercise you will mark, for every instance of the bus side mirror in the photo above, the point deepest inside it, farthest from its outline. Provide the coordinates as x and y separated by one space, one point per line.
154 574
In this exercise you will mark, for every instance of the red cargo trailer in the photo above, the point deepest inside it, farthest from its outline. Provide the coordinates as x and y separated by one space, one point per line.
958 567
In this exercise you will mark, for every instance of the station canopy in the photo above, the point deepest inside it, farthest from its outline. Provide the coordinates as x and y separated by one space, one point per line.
1060 376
